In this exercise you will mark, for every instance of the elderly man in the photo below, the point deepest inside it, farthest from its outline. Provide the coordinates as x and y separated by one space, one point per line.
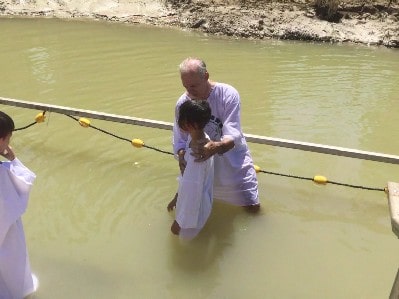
235 179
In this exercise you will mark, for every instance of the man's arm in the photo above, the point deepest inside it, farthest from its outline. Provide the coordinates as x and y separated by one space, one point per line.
214 147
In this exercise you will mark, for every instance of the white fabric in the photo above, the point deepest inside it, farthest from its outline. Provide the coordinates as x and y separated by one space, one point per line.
15 274
195 196
235 177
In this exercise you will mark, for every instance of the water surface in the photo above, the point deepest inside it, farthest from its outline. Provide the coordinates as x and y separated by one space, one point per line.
97 225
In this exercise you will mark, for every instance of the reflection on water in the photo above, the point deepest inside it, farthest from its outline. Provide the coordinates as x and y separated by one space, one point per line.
347 88
97 225
40 60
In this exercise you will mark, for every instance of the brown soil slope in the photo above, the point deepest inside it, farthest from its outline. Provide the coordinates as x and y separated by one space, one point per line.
371 22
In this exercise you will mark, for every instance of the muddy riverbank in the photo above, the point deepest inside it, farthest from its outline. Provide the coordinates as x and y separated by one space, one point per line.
373 23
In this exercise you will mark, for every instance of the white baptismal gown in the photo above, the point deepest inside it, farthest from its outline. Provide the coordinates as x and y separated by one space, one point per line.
195 196
16 280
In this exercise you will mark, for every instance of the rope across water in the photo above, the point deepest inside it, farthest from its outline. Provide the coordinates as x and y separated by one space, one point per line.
139 143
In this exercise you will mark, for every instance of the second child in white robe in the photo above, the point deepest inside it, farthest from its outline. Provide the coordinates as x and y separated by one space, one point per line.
16 280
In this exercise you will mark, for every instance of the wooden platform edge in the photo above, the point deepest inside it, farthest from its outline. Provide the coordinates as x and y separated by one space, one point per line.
393 202
299 145
395 288
88 113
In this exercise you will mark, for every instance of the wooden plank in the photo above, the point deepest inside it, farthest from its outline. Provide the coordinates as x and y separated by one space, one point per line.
88 113
324 149
393 201
304 146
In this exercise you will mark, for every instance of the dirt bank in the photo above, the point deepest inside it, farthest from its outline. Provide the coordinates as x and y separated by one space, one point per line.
371 22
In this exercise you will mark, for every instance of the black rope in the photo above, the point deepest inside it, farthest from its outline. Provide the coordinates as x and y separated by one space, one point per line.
27 126
101 130
170 153
286 175
121 138
159 150
331 182
355 186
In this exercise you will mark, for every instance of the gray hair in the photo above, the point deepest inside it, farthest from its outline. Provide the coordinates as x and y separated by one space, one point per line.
193 65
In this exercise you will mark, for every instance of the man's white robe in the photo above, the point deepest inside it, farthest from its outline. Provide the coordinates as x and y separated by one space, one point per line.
235 176
16 280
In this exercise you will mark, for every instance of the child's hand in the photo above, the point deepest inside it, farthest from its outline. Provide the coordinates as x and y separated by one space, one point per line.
8 153
172 204
175 228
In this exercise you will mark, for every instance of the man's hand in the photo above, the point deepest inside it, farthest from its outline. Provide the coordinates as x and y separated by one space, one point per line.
213 147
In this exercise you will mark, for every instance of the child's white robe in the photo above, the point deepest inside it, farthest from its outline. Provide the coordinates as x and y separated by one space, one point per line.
15 274
195 196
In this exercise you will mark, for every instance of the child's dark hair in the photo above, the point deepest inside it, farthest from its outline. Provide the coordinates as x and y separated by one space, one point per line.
194 112
6 125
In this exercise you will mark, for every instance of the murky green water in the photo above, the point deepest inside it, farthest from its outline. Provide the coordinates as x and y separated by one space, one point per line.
97 225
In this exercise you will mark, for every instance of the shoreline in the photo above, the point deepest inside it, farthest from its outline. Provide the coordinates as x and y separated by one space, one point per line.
372 24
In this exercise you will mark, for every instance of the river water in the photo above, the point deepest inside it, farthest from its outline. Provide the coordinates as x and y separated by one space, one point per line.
97 225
